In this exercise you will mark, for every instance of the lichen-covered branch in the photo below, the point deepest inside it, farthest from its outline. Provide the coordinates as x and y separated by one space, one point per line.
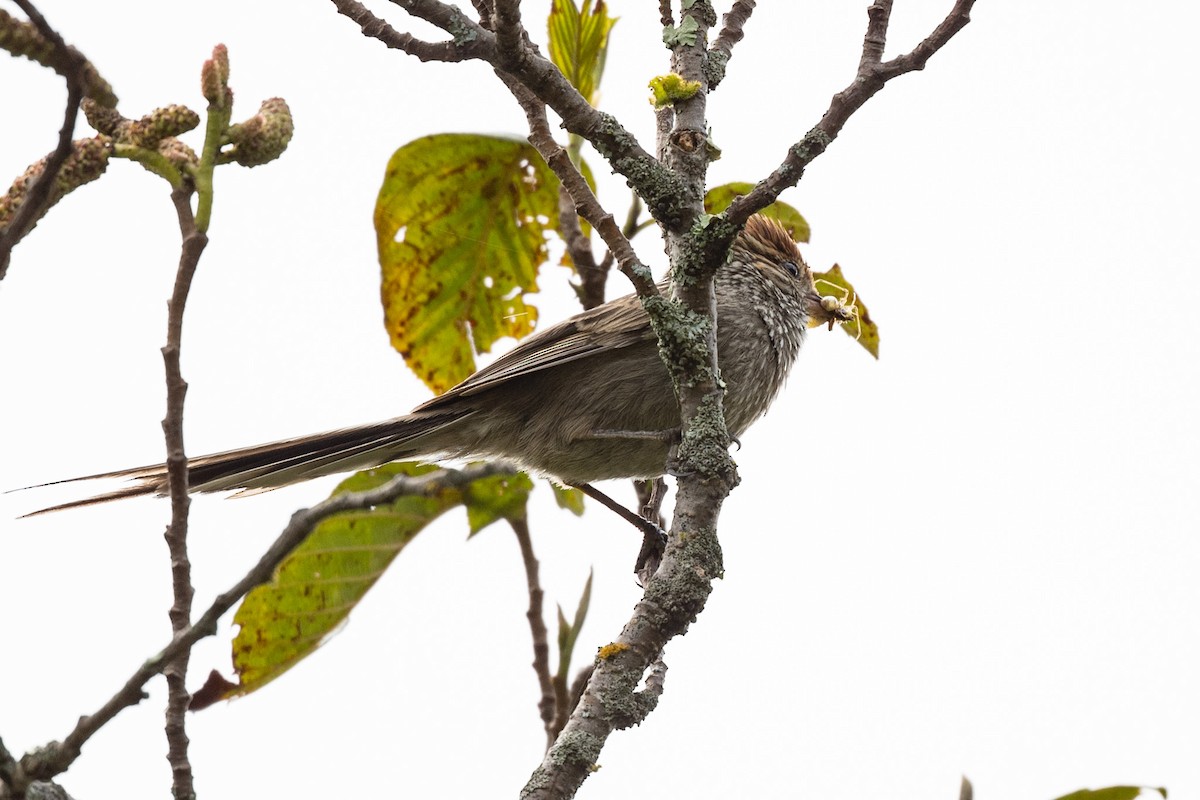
586 203
873 73
665 195
692 558
375 28
732 25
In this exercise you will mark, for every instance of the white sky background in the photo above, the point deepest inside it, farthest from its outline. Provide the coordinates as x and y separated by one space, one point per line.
978 555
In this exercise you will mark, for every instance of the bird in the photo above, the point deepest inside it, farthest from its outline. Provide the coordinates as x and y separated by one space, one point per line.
584 400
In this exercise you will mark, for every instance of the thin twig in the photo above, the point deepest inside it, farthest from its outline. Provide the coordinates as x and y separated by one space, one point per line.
537 629
54 758
659 187
586 203
872 74
512 37
375 28
175 672
592 276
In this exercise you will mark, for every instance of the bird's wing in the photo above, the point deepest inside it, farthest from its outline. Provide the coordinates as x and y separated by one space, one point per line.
614 325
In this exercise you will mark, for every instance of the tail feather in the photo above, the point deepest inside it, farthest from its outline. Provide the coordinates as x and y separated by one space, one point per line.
275 464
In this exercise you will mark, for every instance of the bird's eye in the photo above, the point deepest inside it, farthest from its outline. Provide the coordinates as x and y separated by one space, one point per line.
792 269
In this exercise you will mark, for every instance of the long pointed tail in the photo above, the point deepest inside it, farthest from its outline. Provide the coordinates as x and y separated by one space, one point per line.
275 464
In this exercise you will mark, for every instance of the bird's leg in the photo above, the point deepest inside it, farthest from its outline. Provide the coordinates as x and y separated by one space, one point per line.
647 527
654 538
650 494
669 436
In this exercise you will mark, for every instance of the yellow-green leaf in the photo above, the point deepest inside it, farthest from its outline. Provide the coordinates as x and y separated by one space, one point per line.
495 498
718 199
461 222
569 497
579 43
321 582
834 284
1112 793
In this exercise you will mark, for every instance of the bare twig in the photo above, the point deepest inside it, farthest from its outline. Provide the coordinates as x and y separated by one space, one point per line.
175 672
54 758
375 28
659 187
537 629
592 276
586 203
873 73
630 229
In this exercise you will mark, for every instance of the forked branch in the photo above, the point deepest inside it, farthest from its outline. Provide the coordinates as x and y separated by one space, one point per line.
873 73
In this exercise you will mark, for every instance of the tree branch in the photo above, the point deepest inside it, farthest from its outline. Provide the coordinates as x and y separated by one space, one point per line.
873 73
485 11
668 198
510 33
52 759
677 593
38 41
586 203
673 190
375 28
8 768
731 33
592 276
175 672
537 629
72 65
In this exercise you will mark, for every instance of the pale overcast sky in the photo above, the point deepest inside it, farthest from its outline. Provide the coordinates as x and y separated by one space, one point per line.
977 555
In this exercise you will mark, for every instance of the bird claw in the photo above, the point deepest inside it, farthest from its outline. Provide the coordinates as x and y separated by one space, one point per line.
654 544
